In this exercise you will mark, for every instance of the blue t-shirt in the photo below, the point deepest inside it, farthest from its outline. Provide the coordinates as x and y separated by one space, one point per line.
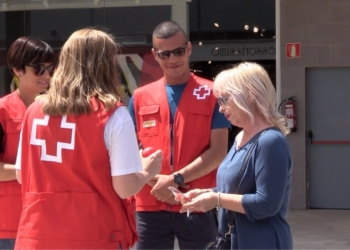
265 186
174 93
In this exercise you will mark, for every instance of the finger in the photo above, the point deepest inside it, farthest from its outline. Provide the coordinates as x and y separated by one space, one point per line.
185 186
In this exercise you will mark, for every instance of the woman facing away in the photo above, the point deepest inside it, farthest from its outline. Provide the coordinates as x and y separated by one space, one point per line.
31 61
257 201
78 158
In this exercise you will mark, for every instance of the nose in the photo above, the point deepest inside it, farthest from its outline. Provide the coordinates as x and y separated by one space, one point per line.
221 109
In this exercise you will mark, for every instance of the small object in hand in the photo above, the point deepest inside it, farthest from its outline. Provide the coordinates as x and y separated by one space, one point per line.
148 151
179 195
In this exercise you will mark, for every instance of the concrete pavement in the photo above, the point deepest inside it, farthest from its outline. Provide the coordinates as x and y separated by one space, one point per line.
318 229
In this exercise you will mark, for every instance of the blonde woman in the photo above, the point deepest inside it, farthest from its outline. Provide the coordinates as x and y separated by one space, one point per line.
78 158
253 205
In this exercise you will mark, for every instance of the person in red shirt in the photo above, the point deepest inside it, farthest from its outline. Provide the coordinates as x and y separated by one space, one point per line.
31 61
78 159
179 114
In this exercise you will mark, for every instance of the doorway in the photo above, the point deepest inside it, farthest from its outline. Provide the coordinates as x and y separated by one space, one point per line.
328 132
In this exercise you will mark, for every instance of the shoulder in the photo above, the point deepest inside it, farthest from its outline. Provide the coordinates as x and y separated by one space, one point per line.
271 137
273 143
148 87
119 116
8 104
8 98
202 81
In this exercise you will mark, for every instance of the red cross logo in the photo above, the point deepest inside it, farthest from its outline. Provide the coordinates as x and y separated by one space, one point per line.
45 129
201 92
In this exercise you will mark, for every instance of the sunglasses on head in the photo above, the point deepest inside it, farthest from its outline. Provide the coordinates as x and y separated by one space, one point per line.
176 52
39 69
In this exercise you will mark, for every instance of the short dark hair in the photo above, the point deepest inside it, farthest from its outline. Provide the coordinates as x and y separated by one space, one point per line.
28 50
167 29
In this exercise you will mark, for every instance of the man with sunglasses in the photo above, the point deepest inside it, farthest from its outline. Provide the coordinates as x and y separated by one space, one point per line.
31 61
179 115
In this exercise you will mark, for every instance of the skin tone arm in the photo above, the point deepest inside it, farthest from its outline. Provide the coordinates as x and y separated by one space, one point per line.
205 200
7 172
130 184
201 166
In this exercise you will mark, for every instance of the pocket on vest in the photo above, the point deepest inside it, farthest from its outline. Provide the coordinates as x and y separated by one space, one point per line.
149 119
60 216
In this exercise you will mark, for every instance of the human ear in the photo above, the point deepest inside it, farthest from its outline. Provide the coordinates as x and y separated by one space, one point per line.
17 72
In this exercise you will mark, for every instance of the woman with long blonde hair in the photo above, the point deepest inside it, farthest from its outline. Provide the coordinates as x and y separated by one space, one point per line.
79 158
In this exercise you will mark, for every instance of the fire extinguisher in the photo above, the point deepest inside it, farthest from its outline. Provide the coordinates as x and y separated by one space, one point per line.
289 106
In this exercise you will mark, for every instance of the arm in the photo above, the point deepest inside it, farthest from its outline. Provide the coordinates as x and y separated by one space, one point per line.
128 173
130 184
202 165
210 159
7 172
273 177
208 199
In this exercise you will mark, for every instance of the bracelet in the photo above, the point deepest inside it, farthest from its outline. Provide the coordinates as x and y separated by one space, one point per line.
219 199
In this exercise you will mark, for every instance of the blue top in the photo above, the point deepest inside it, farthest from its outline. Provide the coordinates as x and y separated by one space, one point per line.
266 186
174 93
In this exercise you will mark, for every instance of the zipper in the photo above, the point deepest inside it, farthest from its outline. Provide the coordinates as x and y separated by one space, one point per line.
171 147
171 153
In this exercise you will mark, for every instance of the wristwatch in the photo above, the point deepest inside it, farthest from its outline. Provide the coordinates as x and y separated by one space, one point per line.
179 179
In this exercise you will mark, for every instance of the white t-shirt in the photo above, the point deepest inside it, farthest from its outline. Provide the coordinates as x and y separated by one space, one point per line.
121 143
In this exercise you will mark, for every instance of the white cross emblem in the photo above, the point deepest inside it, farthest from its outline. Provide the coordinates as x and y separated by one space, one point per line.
201 92
60 145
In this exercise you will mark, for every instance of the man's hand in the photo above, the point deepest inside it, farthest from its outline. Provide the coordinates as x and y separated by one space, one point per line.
172 201
160 190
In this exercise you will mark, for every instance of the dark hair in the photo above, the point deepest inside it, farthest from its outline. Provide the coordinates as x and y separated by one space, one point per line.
28 50
167 29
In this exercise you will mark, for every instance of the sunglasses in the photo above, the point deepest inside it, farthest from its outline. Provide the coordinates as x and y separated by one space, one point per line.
176 52
39 69
222 101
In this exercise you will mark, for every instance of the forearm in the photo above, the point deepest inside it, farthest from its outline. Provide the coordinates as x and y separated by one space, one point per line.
7 172
231 202
201 166
130 184
210 159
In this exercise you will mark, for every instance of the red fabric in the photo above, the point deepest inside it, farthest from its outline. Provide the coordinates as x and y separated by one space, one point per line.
192 125
12 111
70 202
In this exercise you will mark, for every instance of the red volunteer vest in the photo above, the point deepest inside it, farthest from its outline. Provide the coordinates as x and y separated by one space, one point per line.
68 198
12 111
192 129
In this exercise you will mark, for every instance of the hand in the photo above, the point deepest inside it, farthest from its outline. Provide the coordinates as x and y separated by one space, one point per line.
153 163
172 201
160 190
204 202
193 194
152 182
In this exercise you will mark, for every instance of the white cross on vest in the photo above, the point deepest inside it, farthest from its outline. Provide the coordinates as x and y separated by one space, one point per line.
201 92
42 142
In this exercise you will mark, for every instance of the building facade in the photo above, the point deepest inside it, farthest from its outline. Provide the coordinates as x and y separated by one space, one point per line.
303 44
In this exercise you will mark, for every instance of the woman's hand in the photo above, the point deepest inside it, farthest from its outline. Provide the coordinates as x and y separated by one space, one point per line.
191 194
200 200
152 164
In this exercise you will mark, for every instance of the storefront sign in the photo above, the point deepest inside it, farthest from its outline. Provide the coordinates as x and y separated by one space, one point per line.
233 51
